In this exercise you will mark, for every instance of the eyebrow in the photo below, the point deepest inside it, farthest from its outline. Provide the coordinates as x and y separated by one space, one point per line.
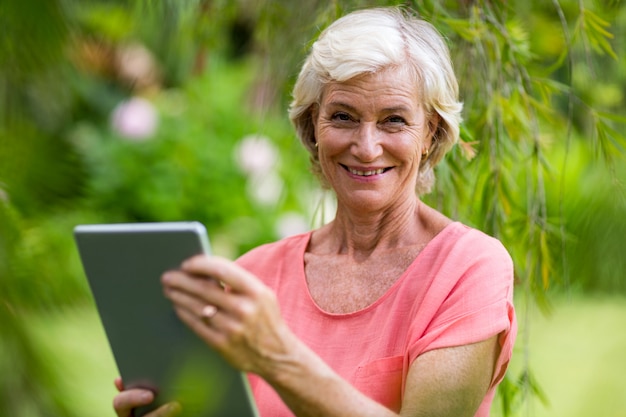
396 109
392 109
341 104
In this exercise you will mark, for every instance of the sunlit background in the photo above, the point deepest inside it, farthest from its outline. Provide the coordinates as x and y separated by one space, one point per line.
115 111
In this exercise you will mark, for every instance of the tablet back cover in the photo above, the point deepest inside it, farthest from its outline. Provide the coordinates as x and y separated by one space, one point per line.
151 346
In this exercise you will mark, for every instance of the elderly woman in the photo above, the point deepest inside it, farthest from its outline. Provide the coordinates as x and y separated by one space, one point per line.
392 308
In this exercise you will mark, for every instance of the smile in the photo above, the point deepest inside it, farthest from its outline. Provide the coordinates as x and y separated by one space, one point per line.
367 173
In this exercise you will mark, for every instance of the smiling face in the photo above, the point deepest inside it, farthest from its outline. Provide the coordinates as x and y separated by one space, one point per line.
371 133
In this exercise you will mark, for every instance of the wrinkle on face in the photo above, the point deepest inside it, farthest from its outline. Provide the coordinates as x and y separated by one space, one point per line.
373 121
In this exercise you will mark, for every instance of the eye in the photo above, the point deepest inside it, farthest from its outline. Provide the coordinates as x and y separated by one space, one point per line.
393 123
395 120
341 117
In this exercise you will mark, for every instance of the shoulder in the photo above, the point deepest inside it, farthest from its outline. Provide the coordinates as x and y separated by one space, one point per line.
464 260
471 245
469 292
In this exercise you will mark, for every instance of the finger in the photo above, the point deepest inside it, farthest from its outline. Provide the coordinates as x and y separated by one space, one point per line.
200 276
197 311
125 401
201 279
190 283
183 294
211 302
167 410
227 272
119 384
209 332
203 307
194 294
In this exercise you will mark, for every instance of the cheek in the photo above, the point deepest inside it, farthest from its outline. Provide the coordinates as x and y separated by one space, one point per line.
406 147
331 141
326 148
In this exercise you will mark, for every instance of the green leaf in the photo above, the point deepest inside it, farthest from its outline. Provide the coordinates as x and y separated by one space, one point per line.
610 142
593 27
610 116
467 30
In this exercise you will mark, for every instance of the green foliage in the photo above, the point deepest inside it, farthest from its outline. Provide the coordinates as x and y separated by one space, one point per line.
594 31
514 119
27 377
511 392
188 169
538 165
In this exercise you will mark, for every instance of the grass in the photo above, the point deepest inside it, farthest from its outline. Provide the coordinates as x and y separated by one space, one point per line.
578 355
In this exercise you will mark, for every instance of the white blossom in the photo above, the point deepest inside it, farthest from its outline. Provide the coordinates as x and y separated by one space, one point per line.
266 189
256 155
290 224
135 119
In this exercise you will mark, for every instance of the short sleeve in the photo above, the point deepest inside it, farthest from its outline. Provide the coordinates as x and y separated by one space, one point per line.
474 289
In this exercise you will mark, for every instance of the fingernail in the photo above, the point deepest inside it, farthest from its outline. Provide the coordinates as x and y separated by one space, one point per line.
146 397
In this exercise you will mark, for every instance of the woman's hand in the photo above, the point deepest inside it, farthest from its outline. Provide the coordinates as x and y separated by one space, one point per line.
126 400
233 312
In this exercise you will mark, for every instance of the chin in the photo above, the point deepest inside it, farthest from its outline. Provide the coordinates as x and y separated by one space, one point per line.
365 200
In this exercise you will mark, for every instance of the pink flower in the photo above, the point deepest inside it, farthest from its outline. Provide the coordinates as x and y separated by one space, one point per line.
135 119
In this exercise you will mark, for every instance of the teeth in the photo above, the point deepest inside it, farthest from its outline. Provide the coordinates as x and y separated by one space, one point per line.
366 173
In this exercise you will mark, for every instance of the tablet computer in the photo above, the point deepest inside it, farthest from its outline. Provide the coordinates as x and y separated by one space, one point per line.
152 348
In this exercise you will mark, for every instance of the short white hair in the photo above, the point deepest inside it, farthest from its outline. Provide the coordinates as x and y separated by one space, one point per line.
372 40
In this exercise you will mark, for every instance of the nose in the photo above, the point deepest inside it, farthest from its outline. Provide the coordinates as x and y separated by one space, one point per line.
366 145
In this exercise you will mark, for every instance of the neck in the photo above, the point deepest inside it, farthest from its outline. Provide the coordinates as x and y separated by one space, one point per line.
360 234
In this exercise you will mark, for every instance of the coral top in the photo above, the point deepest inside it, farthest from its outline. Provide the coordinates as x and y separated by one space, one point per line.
457 291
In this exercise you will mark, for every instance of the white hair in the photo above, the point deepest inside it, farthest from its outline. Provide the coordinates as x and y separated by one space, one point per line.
372 40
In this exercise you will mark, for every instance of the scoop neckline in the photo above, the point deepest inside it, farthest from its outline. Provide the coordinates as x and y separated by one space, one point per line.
448 229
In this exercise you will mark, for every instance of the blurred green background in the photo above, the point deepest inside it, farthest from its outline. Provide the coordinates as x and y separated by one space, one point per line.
116 111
